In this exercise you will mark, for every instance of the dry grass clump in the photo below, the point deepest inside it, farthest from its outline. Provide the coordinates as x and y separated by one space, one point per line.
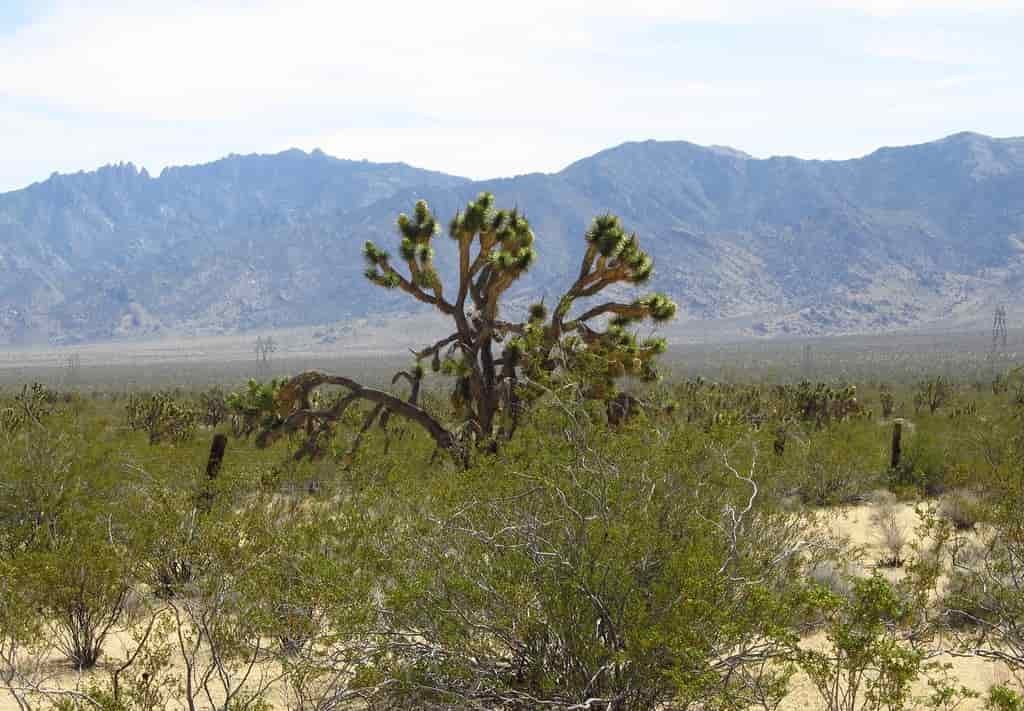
836 576
892 535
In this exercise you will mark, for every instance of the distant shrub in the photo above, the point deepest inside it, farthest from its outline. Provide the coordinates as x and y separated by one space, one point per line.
33 404
963 509
924 463
933 394
836 577
213 406
888 402
161 417
838 465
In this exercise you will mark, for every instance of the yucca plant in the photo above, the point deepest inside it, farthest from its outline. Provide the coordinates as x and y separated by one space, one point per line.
498 366
161 417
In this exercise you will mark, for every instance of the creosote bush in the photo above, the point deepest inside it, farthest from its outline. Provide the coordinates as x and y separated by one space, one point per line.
874 656
602 575
60 531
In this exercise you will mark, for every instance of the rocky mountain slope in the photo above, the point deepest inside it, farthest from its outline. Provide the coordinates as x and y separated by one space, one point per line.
899 238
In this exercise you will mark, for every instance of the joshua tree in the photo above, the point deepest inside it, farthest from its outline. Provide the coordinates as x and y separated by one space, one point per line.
499 366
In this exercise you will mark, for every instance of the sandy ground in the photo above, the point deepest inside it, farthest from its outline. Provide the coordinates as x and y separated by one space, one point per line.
856 526
853 523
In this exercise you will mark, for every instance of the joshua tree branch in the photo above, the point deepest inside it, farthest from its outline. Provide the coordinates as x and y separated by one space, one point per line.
415 291
301 386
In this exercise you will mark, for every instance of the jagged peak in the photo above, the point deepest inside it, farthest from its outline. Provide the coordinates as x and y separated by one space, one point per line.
316 155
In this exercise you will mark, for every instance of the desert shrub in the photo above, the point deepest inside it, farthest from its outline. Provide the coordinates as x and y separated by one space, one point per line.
22 642
933 394
925 462
632 575
840 464
836 577
805 404
213 406
967 602
890 532
887 401
30 407
984 599
1003 698
82 587
161 417
872 661
820 403
229 621
962 508
62 528
165 541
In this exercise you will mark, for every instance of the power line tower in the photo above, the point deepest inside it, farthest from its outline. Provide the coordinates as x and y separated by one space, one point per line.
999 331
265 348
998 352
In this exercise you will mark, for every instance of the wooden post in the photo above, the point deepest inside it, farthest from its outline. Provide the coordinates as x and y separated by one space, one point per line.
897 434
204 499
220 444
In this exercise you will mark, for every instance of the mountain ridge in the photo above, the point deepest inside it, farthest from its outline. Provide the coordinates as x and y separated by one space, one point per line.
900 237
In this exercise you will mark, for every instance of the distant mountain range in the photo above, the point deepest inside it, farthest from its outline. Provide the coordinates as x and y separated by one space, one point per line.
903 237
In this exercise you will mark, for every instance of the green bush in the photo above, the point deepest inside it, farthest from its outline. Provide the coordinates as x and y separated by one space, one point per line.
924 464
161 417
581 573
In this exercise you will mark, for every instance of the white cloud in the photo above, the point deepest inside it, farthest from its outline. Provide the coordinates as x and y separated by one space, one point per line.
452 84
906 7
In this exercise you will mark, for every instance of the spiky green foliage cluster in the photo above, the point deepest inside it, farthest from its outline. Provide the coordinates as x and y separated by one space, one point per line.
416 233
161 417
538 313
415 248
505 235
659 307
478 217
377 269
255 396
621 250
515 242
618 353
254 407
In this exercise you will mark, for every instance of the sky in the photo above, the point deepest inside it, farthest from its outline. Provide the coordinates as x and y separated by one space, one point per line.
486 89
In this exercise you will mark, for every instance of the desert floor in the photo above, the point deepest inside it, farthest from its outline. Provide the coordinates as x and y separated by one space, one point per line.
852 523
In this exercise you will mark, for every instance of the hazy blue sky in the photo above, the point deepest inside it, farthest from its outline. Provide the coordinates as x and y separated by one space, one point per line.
485 88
